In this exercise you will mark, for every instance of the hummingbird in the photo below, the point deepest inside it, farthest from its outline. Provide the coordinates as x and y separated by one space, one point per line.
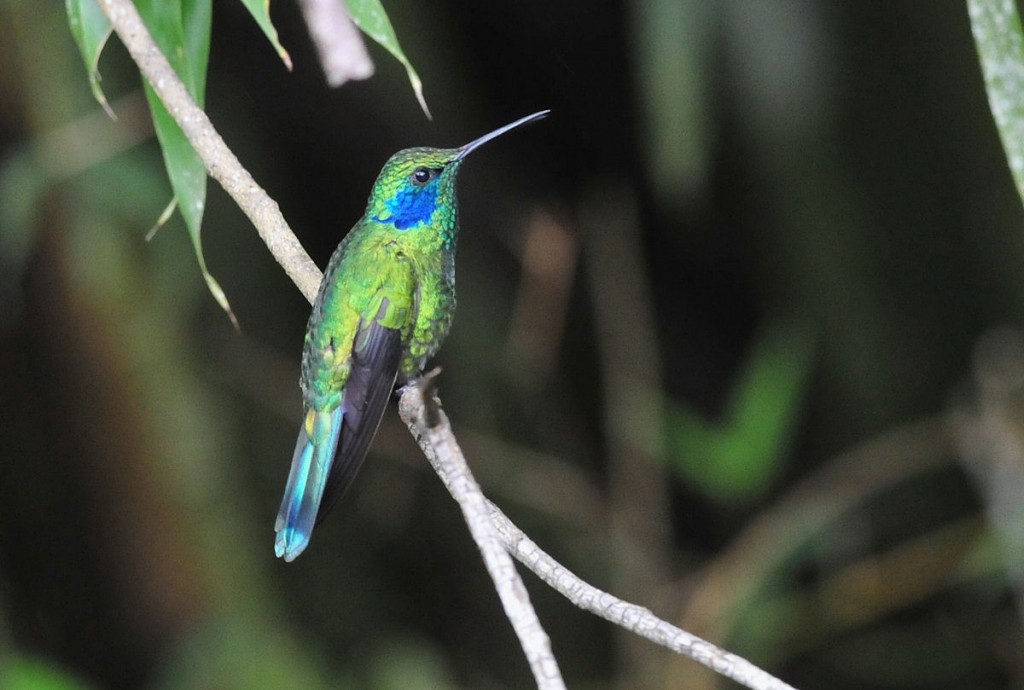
384 306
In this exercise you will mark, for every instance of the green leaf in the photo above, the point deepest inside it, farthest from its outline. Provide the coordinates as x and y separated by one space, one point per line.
738 458
260 11
28 673
370 17
90 29
997 34
182 30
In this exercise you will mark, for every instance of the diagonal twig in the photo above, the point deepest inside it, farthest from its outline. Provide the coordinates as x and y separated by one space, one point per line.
632 617
421 411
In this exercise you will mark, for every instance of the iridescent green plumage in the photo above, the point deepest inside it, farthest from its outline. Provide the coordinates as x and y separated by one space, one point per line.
384 307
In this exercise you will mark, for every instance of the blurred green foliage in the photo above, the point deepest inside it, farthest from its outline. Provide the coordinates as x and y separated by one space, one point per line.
742 456
36 674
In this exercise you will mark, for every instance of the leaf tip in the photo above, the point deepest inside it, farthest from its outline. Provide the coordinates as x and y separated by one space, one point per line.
222 300
106 108
423 103
164 216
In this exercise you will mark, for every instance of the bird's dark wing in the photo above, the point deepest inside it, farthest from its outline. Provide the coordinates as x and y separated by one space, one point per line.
376 354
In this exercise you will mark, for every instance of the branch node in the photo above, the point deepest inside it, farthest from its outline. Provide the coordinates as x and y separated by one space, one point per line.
426 383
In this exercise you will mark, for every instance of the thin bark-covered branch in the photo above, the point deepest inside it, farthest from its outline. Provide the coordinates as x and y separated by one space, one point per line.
632 617
438 443
421 410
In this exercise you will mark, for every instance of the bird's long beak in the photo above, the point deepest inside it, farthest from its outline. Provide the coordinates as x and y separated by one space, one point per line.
477 143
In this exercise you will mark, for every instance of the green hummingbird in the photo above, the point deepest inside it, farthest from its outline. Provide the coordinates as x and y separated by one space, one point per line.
384 306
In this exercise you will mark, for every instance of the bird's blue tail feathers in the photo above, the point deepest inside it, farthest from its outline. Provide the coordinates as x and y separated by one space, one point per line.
311 465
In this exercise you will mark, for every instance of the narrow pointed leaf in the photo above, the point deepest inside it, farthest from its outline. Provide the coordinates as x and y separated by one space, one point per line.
998 36
370 17
260 11
90 29
182 30
184 167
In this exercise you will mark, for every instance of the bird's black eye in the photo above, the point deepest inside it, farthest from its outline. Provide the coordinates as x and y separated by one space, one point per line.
423 175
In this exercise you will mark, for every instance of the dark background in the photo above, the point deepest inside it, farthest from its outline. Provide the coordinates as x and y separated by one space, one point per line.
736 340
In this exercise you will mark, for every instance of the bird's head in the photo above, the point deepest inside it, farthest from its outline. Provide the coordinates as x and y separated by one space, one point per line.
416 187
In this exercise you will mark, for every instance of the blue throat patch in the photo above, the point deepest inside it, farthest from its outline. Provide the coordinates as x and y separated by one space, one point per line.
410 207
